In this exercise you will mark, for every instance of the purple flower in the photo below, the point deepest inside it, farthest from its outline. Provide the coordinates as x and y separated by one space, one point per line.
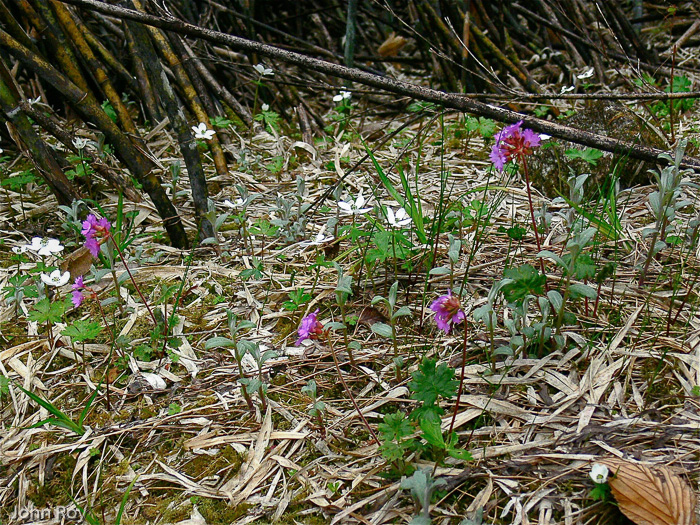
448 311
512 142
310 327
91 227
78 297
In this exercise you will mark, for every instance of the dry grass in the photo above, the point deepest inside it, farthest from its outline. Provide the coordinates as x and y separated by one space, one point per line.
622 387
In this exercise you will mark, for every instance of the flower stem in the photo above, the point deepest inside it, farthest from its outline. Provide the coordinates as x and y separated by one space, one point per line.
461 381
523 160
138 290
347 389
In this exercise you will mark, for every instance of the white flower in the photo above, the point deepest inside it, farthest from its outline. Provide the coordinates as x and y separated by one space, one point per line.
238 203
343 95
320 238
565 89
587 74
80 143
398 220
202 132
56 278
20 249
263 71
544 136
265 107
599 473
45 247
351 207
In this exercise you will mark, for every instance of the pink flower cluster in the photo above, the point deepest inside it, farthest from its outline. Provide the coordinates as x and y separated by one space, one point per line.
512 142
78 296
448 311
310 327
92 228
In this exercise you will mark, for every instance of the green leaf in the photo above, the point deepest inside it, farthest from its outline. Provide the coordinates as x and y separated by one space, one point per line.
404 311
590 155
82 330
459 453
582 290
219 341
382 329
395 427
432 433
584 267
46 311
546 254
431 381
174 408
526 280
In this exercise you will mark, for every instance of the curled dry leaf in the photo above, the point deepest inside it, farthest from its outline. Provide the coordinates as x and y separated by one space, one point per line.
371 315
77 263
651 496
391 46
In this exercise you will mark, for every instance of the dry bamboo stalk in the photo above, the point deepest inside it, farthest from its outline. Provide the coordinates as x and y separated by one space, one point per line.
43 20
31 144
86 105
71 29
188 91
143 45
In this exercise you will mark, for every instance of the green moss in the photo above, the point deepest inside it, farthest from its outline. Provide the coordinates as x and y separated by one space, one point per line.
54 491
216 511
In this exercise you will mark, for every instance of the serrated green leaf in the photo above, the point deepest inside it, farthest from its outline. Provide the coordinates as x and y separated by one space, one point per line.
432 433
431 381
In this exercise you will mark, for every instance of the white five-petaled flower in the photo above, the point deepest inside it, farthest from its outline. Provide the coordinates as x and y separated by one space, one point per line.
80 142
343 95
587 74
45 247
355 207
263 71
320 238
202 132
265 107
398 219
599 473
20 249
55 278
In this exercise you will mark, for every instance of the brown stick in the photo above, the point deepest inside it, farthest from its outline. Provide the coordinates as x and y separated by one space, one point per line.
449 100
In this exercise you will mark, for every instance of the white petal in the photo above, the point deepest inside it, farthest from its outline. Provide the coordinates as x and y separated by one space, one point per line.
36 244
360 201
345 206
390 217
337 98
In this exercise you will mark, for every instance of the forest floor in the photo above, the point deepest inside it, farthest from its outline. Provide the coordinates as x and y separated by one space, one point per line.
545 396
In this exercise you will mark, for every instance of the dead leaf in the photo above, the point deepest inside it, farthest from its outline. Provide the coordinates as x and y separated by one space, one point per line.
650 496
391 46
77 263
371 315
